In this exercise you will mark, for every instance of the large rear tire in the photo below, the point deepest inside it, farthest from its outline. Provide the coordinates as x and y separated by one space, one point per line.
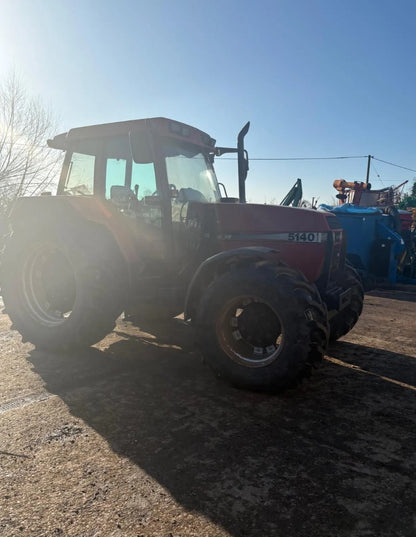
262 327
62 288
346 319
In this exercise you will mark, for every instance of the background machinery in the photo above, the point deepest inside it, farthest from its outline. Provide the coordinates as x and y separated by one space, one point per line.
381 241
294 196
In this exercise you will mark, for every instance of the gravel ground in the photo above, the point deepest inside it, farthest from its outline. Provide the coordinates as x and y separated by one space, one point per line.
135 437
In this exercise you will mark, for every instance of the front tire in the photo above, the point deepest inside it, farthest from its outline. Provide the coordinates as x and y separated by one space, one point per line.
62 288
262 327
346 319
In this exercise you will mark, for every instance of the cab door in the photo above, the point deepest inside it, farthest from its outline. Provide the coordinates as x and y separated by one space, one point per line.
139 204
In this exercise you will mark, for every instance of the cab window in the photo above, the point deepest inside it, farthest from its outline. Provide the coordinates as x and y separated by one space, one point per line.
115 174
80 178
144 179
121 171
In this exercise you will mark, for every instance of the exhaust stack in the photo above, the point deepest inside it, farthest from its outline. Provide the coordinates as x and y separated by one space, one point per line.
242 163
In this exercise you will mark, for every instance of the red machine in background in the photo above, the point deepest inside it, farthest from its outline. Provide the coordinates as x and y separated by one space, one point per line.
359 193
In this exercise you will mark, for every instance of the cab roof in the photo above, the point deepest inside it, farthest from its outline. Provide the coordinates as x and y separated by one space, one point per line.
158 125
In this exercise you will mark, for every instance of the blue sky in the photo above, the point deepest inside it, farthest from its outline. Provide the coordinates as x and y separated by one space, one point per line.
316 78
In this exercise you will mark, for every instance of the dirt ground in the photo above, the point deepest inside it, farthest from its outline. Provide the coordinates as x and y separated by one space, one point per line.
135 437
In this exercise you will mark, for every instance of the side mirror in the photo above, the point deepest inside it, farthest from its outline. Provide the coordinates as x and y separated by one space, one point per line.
141 146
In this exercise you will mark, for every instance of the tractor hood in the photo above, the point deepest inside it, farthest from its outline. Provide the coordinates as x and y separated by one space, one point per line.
301 236
263 222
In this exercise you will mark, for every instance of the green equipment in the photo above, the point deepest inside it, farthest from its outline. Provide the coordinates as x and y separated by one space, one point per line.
294 196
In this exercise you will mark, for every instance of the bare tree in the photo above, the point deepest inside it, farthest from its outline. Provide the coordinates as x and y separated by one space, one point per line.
27 165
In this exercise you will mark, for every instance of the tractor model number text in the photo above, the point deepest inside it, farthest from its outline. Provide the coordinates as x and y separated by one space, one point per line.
306 237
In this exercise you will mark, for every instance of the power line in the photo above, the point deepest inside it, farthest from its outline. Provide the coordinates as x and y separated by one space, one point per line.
297 158
396 165
310 158
324 158
378 175
390 181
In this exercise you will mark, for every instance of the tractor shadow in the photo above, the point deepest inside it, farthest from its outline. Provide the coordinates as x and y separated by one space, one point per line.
328 458
385 365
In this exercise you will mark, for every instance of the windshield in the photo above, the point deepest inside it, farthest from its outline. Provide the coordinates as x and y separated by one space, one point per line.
190 173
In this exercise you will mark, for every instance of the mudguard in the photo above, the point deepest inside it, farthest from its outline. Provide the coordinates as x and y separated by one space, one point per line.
218 263
43 212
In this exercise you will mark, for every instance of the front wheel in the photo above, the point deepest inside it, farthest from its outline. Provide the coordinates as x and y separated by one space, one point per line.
346 319
262 327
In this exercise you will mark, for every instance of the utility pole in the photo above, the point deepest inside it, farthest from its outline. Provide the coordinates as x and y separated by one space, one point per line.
368 168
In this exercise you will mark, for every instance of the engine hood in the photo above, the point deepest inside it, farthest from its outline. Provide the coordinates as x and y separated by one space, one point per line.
301 237
267 219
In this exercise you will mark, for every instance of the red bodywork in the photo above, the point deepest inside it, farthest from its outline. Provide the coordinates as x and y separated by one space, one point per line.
96 210
406 220
242 225
239 226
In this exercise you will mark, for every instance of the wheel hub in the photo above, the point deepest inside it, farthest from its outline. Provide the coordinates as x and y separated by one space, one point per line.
250 332
48 286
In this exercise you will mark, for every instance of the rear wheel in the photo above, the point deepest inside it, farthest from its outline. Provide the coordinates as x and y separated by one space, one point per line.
262 328
62 289
346 319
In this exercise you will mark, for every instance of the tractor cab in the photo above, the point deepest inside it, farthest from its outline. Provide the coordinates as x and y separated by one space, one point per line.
149 170
153 171
152 161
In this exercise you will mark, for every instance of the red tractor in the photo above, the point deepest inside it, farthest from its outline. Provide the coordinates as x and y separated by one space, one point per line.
139 225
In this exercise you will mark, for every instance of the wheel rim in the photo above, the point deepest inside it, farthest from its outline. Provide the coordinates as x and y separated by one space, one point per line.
250 331
48 286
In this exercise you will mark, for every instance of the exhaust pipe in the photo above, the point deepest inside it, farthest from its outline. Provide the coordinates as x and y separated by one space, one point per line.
242 163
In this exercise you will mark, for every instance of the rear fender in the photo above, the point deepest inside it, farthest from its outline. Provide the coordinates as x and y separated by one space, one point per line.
220 263
80 215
